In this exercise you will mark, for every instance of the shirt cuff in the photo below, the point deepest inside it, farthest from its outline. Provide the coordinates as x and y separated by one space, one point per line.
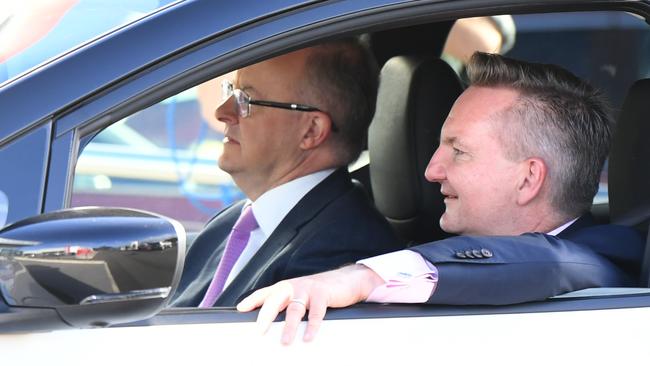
414 285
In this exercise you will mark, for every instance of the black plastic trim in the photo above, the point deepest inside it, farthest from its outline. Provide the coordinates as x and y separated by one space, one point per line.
376 311
21 320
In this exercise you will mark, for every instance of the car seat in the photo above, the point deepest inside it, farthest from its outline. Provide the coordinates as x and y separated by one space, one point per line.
629 167
415 95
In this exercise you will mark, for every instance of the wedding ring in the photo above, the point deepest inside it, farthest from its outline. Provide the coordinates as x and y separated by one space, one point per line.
301 302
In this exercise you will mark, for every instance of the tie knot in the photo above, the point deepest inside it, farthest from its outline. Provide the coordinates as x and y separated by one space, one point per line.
246 221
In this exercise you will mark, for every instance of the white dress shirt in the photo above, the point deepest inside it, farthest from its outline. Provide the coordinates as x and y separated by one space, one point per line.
270 209
561 228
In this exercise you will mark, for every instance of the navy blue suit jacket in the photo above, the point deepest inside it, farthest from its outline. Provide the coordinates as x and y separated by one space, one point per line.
333 225
495 270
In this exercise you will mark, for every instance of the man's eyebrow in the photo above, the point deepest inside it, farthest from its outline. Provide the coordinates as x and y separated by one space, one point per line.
243 86
448 140
246 88
252 92
455 141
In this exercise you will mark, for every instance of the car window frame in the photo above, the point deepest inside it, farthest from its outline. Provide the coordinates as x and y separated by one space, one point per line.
198 64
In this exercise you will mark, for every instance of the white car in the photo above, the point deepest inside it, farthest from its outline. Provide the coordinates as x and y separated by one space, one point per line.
91 65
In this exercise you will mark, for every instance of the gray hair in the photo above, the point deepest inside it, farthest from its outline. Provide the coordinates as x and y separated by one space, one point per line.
343 76
558 118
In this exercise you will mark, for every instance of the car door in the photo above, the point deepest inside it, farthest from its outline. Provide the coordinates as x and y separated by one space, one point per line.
192 42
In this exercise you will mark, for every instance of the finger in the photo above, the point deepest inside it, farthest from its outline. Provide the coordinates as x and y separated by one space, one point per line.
295 312
317 310
254 300
276 301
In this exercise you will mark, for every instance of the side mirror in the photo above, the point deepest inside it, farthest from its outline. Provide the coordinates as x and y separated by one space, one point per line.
87 267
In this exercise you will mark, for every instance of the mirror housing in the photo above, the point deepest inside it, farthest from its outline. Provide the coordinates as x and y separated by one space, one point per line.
88 267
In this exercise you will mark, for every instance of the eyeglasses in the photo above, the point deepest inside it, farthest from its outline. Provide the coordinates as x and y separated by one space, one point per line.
243 102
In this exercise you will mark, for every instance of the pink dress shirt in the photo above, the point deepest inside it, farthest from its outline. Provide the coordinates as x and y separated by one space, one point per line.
414 286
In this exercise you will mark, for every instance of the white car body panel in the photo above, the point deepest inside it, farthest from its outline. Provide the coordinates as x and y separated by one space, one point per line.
597 337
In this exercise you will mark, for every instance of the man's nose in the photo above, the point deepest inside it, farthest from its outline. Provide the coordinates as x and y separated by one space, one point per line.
435 171
226 111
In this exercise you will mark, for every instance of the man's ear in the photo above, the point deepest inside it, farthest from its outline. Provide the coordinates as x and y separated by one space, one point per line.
318 129
531 180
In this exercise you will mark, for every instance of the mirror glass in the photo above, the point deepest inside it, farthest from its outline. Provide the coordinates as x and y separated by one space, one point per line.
89 255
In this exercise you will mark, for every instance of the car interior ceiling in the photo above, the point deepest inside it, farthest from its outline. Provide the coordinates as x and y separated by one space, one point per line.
416 92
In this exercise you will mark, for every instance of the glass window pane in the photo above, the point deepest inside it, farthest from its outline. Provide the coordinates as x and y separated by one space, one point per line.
162 159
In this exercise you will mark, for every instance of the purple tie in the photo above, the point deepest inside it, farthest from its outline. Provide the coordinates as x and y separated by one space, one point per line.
236 243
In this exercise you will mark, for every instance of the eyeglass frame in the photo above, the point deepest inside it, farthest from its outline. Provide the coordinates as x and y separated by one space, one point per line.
228 90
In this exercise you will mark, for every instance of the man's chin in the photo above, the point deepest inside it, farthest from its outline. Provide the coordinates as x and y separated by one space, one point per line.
448 225
227 165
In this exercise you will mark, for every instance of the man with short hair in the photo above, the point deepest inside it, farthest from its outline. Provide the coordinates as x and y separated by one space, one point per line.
518 163
293 124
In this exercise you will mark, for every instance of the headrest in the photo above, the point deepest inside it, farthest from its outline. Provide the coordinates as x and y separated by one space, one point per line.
421 39
629 159
414 98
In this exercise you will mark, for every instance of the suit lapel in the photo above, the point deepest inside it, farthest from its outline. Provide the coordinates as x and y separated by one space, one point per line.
217 231
204 256
305 210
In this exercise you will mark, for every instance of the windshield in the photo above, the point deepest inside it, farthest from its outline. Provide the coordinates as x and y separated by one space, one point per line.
34 31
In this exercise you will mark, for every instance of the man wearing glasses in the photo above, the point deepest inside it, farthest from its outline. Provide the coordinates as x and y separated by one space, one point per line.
292 125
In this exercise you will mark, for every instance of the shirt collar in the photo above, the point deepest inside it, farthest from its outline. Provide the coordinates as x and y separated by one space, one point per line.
271 207
561 228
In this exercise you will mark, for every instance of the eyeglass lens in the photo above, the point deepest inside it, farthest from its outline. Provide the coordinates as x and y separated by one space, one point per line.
242 104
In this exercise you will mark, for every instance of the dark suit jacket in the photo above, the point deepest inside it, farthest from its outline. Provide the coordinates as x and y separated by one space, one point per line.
333 225
496 270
